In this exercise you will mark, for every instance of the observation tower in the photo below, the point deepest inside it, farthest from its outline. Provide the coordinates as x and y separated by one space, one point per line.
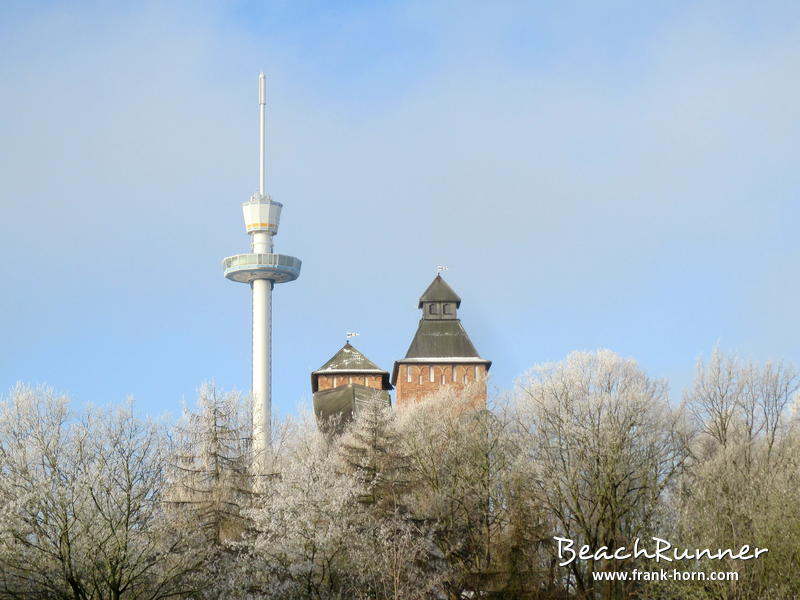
262 269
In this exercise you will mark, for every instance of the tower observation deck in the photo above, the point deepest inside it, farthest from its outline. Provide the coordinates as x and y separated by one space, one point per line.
262 269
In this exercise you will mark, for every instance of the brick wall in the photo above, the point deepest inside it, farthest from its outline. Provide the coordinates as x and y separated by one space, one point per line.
415 381
327 382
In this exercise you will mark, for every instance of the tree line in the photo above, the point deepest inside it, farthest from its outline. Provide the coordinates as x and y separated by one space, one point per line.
438 500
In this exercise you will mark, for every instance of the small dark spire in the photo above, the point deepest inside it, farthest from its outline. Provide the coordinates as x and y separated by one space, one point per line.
439 291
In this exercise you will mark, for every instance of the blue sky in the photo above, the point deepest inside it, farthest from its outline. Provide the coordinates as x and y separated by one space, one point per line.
617 174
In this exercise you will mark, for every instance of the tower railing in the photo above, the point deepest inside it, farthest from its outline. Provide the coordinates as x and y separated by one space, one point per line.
276 260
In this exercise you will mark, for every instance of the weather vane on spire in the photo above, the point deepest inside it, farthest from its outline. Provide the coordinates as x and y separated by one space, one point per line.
350 334
440 268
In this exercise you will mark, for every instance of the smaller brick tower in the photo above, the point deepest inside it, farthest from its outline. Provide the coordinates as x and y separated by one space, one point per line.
343 383
441 353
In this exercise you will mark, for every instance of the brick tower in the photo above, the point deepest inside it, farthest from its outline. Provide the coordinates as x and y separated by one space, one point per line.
441 354
343 383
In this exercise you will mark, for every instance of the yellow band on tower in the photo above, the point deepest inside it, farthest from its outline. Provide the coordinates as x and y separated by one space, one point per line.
260 225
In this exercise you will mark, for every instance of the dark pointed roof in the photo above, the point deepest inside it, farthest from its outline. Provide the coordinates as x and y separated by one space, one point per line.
441 339
349 359
439 291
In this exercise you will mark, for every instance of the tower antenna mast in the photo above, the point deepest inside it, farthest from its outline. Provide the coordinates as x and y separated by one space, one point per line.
262 134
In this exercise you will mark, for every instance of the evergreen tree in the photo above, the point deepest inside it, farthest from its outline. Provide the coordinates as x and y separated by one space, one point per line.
210 475
370 450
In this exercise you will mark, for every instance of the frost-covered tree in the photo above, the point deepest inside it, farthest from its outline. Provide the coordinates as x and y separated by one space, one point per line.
390 551
744 481
735 401
464 489
39 494
210 474
305 520
331 523
80 505
391 558
371 451
601 447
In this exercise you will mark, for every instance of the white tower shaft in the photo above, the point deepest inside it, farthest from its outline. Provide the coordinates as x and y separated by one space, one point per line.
262 373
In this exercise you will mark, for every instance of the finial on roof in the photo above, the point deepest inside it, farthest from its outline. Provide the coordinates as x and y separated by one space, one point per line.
350 334
439 269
